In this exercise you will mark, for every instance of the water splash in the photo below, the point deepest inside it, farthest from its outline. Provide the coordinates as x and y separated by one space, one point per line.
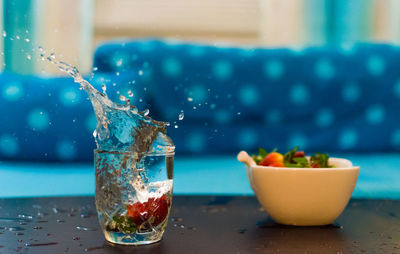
120 127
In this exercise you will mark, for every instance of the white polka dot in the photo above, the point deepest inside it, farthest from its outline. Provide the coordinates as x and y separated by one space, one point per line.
376 65
222 116
146 46
91 123
66 150
119 60
297 139
299 94
196 51
396 89
324 69
247 139
196 141
13 91
171 67
273 116
375 114
248 95
69 96
348 138
395 138
198 92
273 69
351 92
324 117
222 70
38 119
8 145
247 52
347 48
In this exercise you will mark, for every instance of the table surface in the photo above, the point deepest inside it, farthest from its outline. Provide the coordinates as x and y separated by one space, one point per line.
198 224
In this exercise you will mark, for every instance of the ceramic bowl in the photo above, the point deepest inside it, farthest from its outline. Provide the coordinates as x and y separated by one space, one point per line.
304 196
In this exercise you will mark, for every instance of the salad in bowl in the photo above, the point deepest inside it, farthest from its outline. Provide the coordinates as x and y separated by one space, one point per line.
301 190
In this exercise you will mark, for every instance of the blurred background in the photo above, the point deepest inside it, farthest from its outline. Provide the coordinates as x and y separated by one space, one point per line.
321 74
75 28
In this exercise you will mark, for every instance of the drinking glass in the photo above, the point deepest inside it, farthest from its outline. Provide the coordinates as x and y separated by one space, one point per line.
133 195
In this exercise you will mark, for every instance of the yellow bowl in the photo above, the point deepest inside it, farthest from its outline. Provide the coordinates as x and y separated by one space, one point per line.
304 196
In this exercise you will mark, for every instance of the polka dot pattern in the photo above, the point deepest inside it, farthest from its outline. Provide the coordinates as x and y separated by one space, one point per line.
222 70
171 67
196 141
247 138
376 65
324 117
351 92
69 96
66 150
249 95
324 69
38 119
375 114
297 139
274 69
348 139
8 145
299 94
322 98
13 91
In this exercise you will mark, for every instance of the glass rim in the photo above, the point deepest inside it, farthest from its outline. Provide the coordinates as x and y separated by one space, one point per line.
98 151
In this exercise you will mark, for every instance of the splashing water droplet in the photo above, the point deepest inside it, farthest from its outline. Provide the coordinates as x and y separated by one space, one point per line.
95 68
29 57
4 34
130 93
117 73
176 126
40 48
122 98
17 37
53 55
190 99
146 112
27 40
104 88
140 73
181 116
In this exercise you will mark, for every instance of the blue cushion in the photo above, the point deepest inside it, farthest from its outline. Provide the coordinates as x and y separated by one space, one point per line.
322 98
50 119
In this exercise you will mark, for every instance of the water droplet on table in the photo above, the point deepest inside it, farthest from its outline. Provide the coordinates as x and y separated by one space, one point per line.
37 227
76 238
19 233
241 230
16 229
60 221
94 248
40 244
85 228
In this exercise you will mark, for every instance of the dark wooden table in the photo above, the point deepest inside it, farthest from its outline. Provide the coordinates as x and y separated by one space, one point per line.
200 224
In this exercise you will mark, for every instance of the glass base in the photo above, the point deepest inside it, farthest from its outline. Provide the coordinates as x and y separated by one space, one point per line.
133 239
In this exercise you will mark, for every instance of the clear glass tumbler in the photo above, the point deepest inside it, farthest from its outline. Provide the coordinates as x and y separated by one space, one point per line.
133 199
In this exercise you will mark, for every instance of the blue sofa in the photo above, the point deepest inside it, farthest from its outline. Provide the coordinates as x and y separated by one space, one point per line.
342 100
